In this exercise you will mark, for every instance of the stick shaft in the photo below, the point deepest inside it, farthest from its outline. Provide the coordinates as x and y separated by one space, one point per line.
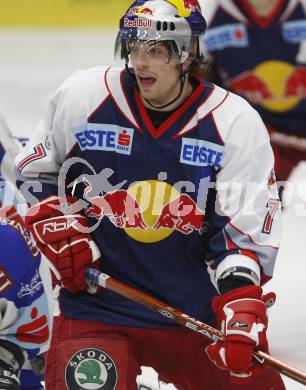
97 278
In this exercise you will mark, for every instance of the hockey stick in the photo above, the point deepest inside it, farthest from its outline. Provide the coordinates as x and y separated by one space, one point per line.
95 278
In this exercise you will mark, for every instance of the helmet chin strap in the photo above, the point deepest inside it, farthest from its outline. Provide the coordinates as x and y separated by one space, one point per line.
182 84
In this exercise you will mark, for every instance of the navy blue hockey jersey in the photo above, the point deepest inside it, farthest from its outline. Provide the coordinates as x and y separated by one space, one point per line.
171 208
262 59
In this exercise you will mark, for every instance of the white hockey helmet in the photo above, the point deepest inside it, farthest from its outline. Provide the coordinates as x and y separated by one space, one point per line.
177 23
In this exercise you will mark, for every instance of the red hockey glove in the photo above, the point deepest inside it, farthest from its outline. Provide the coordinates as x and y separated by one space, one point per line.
64 240
241 314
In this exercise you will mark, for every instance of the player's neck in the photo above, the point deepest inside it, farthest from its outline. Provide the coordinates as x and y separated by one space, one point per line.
187 91
263 8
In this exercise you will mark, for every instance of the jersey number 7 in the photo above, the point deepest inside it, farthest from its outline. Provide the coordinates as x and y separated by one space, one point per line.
272 205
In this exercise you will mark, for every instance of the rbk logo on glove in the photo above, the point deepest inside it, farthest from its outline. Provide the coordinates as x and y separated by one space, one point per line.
242 316
65 241
54 227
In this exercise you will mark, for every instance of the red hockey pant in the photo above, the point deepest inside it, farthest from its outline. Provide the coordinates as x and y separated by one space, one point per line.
178 355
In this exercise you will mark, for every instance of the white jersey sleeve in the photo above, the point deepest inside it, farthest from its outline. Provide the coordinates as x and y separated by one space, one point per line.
9 148
68 108
208 8
247 194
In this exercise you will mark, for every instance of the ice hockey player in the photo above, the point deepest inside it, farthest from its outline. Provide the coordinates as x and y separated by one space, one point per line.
171 180
258 51
25 313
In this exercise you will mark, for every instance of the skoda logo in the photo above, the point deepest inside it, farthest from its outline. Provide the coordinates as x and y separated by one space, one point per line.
91 369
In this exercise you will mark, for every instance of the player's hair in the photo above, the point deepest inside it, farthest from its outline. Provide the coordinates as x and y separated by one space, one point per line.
199 68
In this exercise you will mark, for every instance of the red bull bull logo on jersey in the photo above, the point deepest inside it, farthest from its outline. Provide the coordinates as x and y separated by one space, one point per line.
119 207
251 86
275 85
181 214
148 211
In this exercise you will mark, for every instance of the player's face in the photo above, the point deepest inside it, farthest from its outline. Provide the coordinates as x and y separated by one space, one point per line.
157 72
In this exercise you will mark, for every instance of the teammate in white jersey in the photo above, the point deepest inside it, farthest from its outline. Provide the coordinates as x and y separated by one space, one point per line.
177 180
